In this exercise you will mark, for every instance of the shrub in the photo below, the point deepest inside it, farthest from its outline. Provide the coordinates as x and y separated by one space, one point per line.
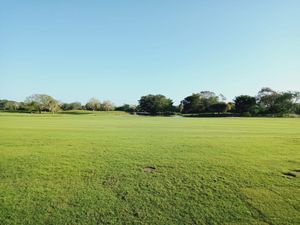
246 114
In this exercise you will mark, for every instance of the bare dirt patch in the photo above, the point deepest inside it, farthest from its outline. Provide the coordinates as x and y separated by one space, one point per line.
149 169
292 173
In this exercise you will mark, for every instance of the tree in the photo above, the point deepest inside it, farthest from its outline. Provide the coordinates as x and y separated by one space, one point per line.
266 98
42 102
283 103
107 106
53 106
208 98
191 104
296 97
11 105
65 106
32 106
230 107
2 104
219 107
71 106
297 108
244 104
130 108
155 104
273 102
200 102
126 108
93 104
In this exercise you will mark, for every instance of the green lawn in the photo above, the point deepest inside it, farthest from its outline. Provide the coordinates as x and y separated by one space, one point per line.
89 169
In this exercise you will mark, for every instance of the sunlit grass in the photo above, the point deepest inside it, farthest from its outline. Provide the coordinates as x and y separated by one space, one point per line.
89 169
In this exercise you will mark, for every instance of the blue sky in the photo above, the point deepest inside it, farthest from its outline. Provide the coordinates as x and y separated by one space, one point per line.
120 50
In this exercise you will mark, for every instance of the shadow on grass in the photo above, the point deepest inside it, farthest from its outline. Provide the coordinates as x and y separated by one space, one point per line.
15 111
75 113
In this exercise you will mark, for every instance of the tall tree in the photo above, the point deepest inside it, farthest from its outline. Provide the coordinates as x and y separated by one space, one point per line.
41 102
274 102
2 103
155 104
208 98
192 104
266 98
11 105
93 104
244 103
53 106
107 106
200 102
285 102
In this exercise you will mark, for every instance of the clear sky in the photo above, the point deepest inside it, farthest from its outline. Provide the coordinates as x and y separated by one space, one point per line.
120 50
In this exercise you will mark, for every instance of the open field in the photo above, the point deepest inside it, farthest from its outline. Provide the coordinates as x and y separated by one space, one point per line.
89 169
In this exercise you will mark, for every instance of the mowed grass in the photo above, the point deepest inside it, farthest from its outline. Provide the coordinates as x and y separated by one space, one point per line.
89 169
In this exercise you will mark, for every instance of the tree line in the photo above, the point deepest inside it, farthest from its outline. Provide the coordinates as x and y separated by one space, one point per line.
205 103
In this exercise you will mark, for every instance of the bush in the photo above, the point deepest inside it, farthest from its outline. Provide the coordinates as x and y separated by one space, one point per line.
155 104
297 109
212 115
126 108
246 114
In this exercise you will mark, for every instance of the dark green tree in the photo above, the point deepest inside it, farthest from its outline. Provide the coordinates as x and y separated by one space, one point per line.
219 107
284 103
155 104
126 108
272 102
3 103
266 98
192 104
245 104
71 106
200 102
297 108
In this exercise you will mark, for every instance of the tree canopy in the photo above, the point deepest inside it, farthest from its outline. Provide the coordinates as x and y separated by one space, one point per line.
200 102
244 104
93 104
155 104
42 102
266 102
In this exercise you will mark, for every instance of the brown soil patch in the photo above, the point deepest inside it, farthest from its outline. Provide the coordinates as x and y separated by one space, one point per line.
149 169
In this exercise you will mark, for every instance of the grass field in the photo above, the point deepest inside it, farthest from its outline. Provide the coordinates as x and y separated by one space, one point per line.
89 169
